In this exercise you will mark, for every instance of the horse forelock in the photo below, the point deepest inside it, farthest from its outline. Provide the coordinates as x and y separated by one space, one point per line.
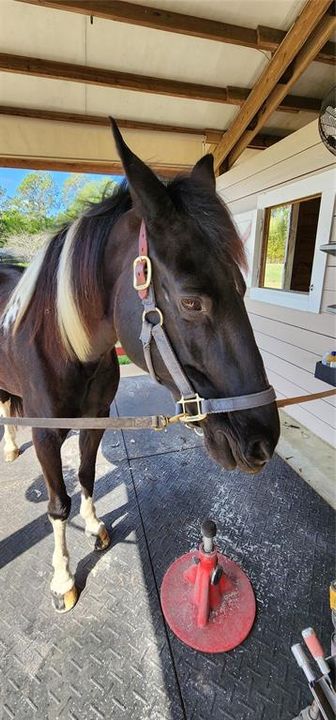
216 229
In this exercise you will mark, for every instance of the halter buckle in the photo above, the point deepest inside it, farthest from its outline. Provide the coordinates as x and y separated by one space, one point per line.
147 272
184 416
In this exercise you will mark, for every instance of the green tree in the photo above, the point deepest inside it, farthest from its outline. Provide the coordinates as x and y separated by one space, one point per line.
29 212
36 197
71 187
278 233
3 197
89 191
25 217
3 200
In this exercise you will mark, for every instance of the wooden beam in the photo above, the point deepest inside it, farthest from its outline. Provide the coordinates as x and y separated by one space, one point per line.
270 39
56 70
310 16
41 67
291 103
83 166
101 121
212 136
263 141
303 59
261 38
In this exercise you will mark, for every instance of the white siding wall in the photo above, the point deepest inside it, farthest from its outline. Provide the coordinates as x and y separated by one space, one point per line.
290 341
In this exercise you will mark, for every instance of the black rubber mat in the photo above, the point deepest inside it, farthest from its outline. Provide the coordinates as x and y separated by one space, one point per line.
112 656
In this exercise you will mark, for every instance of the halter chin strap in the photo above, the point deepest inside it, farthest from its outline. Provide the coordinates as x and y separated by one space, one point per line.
190 407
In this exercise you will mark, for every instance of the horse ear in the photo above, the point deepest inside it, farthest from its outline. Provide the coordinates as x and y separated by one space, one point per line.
147 191
203 172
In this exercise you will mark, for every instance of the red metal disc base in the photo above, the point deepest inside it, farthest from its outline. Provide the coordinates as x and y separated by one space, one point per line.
199 616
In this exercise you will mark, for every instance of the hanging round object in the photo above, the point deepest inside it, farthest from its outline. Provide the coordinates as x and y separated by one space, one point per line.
206 598
327 121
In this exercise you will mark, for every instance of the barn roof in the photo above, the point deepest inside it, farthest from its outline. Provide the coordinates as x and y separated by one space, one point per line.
178 81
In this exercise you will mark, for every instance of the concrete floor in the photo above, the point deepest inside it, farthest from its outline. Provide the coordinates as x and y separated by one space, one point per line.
312 458
113 656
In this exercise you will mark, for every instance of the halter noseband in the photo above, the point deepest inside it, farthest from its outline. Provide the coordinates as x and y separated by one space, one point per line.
191 407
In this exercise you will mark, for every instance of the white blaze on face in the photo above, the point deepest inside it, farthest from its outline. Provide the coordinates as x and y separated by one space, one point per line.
11 449
62 580
88 512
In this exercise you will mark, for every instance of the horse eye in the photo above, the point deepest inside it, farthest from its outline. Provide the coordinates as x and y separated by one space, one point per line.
192 303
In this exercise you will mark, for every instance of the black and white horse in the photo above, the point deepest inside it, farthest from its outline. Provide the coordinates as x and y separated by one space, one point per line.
62 317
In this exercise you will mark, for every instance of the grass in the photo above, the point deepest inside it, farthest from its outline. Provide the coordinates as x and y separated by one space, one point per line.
124 360
273 275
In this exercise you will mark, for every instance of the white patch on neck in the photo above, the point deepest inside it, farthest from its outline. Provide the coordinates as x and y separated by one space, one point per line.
22 294
74 335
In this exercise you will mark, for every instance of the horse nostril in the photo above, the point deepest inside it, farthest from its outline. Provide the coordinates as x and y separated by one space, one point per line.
260 451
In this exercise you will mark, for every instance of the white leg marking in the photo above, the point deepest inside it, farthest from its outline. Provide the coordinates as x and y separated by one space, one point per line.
62 580
93 526
11 449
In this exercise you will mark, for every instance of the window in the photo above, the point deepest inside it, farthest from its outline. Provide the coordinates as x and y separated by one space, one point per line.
291 223
289 244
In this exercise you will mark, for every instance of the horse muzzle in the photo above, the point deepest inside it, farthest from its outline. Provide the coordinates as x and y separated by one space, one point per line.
247 450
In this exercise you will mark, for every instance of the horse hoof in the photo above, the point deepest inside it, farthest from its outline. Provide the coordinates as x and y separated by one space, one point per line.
11 455
64 603
103 540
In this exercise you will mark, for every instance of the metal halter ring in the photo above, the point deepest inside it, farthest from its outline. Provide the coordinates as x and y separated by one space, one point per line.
185 418
152 310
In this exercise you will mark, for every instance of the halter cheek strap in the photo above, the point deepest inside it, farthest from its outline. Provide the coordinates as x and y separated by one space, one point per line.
190 407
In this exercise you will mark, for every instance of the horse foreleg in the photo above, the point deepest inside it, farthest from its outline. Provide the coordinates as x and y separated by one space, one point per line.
62 586
88 443
48 449
11 450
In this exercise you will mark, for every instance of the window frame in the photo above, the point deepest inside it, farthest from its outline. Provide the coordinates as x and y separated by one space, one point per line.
322 184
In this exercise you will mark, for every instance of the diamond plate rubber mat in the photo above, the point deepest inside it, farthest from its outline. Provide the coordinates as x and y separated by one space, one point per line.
112 656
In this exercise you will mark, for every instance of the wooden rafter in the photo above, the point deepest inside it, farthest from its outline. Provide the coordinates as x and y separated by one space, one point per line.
270 39
260 38
312 14
57 70
83 166
102 120
210 135
303 59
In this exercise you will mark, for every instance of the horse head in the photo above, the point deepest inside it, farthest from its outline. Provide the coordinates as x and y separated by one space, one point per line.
197 260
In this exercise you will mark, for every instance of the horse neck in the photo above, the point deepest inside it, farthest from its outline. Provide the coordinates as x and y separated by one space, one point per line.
121 249
124 308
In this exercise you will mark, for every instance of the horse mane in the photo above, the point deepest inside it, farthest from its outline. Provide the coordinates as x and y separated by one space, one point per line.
63 286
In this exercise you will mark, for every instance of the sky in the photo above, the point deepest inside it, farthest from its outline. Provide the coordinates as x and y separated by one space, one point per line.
10 178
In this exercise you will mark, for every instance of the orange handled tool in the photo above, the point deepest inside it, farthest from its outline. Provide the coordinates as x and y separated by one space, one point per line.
316 649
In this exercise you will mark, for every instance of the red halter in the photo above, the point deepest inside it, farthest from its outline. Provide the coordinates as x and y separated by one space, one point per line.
142 267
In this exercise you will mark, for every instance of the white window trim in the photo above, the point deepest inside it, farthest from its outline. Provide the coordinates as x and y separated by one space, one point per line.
323 184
